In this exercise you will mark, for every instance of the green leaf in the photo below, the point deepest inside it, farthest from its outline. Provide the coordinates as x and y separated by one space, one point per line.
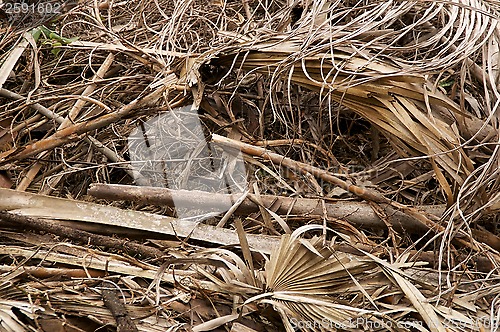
446 83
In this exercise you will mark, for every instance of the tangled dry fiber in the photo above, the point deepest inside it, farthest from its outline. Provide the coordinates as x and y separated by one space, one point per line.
370 135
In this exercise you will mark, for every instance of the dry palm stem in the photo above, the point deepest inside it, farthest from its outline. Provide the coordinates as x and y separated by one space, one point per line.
427 219
111 298
357 213
42 272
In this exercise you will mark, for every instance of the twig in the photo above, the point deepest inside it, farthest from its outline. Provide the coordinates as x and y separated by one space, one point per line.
366 194
72 114
357 213
75 132
48 272
110 154
112 301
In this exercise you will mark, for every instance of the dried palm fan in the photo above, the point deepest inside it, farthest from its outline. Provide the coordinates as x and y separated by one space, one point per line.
303 280
315 288
302 276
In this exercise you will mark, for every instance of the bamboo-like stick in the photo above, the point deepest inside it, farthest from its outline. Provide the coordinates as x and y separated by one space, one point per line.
357 213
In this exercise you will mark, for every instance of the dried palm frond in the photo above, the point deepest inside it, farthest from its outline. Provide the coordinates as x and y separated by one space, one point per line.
423 73
403 106
302 275
368 58
315 288
13 315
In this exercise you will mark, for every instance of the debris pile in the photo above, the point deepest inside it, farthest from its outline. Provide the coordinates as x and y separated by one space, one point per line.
249 166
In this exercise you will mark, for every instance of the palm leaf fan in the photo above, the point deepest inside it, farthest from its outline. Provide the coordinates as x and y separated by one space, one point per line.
306 281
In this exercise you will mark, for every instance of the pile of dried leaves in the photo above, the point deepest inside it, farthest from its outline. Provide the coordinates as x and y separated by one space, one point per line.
250 165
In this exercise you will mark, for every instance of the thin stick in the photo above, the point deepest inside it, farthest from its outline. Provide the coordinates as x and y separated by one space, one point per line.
75 132
363 193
